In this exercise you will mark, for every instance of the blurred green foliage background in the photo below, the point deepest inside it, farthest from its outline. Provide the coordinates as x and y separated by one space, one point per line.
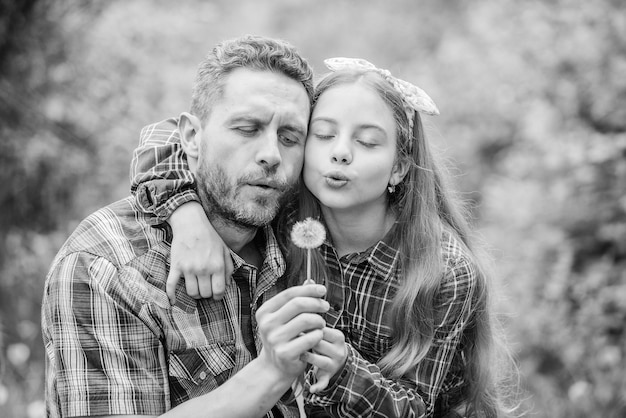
533 124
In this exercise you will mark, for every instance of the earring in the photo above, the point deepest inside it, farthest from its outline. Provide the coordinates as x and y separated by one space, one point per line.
391 188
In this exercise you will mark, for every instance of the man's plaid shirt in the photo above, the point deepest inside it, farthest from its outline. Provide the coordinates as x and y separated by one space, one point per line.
360 291
114 345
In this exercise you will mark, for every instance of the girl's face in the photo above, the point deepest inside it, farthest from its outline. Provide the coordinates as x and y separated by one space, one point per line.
351 149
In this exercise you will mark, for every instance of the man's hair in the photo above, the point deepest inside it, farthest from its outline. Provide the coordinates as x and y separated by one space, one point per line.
252 52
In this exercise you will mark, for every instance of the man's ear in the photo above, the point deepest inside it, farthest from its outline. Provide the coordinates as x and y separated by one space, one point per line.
189 127
400 168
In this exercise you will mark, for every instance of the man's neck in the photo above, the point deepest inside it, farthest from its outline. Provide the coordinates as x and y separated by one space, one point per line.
235 237
239 239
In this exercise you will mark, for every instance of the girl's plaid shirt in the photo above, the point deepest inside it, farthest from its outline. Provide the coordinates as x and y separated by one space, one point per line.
361 289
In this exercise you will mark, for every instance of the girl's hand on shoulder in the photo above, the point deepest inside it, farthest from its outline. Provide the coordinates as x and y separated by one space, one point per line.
328 357
198 255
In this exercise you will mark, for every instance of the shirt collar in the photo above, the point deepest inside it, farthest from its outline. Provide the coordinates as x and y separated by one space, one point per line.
272 256
382 257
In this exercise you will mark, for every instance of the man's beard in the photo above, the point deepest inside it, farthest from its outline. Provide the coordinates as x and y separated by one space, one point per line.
223 202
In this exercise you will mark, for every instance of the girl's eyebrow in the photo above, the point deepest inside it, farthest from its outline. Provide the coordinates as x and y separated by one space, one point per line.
323 119
360 127
373 126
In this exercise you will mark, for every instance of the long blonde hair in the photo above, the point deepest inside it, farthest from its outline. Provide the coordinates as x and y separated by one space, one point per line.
424 207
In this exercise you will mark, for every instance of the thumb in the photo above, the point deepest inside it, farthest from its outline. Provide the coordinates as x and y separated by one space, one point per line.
321 384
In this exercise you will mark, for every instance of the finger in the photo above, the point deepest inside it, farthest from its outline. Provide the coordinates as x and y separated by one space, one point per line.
322 368
173 278
320 361
302 324
228 267
333 335
321 384
218 284
281 299
325 348
333 344
191 285
205 285
296 347
298 306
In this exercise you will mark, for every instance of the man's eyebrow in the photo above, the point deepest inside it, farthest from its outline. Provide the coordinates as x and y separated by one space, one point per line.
295 128
244 118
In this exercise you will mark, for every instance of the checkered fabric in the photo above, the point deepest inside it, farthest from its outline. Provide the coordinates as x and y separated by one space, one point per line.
115 345
361 289
160 177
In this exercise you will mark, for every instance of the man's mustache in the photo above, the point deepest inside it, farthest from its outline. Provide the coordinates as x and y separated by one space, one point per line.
265 179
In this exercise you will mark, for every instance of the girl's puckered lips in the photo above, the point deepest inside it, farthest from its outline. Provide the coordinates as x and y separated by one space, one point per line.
336 179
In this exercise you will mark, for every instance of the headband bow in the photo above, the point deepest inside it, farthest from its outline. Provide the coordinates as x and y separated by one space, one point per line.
415 99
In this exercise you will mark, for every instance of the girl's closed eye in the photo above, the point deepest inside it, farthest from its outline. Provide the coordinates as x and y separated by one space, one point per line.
323 135
367 143
323 130
369 138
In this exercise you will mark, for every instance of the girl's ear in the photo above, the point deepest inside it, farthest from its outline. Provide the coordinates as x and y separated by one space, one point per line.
189 127
400 168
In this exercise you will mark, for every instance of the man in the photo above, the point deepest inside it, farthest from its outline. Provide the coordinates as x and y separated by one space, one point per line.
115 345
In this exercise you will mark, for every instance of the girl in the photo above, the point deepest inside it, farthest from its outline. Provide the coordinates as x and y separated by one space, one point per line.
410 331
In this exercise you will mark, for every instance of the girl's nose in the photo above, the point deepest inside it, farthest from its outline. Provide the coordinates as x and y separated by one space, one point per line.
341 152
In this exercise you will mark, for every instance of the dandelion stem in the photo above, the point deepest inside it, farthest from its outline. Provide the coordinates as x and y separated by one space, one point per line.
308 264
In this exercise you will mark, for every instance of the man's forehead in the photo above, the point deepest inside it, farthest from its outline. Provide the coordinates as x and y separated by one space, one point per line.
262 110
263 95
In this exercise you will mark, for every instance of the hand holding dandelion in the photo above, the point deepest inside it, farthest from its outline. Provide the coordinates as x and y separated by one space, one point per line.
308 234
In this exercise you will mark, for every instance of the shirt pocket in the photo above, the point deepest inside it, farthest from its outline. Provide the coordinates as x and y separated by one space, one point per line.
199 370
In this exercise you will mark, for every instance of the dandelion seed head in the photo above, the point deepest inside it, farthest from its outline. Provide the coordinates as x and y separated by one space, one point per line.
309 233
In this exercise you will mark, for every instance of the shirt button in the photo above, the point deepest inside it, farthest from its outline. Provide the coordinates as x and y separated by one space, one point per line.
202 375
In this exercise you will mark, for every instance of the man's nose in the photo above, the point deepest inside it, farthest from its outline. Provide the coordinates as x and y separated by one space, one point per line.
268 153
